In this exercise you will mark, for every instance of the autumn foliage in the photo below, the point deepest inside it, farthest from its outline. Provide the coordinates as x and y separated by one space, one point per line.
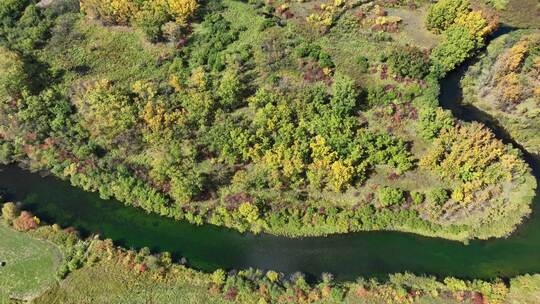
26 221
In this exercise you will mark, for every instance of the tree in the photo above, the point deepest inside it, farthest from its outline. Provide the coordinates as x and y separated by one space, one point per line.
344 96
249 212
186 183
438 196
389 196
218 277
409 62
458 44
433 120
107 112
476 24
341 174
110 11
13 78
230 88
417 197
9 212
181 10
443 14
272 276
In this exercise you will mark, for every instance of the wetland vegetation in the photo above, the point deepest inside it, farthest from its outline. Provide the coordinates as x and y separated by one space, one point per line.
288 118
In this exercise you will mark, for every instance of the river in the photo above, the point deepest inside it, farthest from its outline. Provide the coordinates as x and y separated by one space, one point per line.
207 247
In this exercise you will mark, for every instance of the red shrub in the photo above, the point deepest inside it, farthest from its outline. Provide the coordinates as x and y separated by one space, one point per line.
25 222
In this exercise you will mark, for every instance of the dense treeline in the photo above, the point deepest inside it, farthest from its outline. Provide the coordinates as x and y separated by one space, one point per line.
159 19
263 134
464 32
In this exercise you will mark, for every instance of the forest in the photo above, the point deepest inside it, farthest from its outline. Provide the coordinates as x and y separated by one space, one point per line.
251 115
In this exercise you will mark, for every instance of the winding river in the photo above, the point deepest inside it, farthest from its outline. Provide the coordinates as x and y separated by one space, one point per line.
368 254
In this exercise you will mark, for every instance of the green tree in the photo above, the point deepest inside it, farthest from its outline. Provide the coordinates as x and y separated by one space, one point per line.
344 96
272 276
230 88
417 197
409 61
107 113
13 78
438 196
249 211
433 120
389 196
458 44
219 276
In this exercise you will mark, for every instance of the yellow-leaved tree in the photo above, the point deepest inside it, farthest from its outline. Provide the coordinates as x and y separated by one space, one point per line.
181 10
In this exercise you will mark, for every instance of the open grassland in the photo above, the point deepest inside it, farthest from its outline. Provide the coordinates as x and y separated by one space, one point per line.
110 283
30 265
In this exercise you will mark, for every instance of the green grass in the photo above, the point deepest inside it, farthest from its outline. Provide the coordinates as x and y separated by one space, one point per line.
111 283
413 31
244 16
30 265
80 50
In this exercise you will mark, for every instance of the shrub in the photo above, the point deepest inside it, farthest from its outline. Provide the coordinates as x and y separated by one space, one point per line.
389 196
12 74
9 212
417 197
438 196
409 62
363 64
25 222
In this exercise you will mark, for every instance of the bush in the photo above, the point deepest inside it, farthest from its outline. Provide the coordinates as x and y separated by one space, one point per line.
9 212
12 74
363 64
438 196
389 196
409 62
25 222
417 197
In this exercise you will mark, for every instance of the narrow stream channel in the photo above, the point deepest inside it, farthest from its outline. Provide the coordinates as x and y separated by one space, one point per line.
368 254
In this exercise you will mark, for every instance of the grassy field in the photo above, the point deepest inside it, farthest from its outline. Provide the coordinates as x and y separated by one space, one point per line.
30 265
111 283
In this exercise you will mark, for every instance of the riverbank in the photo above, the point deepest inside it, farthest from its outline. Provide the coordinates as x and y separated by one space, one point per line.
502 84
96 268
208 247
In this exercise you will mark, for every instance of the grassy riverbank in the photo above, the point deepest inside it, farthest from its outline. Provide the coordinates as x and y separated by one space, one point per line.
28 265
504 84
